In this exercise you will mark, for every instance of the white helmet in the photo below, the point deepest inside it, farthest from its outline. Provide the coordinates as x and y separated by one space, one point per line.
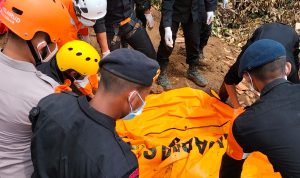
90 9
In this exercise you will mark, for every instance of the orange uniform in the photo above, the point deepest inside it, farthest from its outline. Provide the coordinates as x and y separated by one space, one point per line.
81 29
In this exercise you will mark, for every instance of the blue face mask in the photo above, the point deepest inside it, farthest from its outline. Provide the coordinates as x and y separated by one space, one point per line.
138 111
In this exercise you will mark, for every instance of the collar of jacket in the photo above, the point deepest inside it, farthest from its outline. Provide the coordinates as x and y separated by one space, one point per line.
98 117
20 65
273 84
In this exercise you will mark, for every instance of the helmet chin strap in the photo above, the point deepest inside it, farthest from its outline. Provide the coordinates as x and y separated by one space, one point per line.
33 52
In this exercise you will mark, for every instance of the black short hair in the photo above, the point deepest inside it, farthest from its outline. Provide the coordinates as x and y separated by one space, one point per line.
271 70
115 84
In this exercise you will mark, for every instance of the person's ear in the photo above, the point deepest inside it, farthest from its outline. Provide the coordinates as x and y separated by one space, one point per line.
132 97
246 76
288 68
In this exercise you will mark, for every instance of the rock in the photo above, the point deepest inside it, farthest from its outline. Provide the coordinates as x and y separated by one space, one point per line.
227 50
229 64
240 91
248 100
230 57
242 87
179 40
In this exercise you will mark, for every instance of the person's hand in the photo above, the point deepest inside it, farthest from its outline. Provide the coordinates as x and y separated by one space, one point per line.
225 2
150 20
105 53
210 17
168 37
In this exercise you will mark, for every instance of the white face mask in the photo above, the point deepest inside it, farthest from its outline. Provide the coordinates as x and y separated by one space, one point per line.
138 111
87 22
50 53
251 86
83 85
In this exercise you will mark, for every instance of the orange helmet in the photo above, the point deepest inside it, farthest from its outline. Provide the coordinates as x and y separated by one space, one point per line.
27 17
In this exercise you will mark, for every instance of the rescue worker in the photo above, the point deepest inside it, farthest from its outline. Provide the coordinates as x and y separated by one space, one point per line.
76 137
84 14
31 38
189 14
281 33
271 125
121 25
75 67
146 19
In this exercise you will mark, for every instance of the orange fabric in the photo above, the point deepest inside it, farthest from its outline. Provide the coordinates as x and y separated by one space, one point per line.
86 90
94 81
183 133
48 16
89 86
125 21
234 150
70 7
84 31
63 87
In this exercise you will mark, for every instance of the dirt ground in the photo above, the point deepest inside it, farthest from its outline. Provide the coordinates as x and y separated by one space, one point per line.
218 56
215 56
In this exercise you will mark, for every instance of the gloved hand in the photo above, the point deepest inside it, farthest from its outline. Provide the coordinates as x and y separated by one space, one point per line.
150 20
210 17
168 37
225 2
105 53
86 39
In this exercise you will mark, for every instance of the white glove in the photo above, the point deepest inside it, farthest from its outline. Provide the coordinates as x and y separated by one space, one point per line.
105 53
86 38
225 2
210 17
150 20
168 37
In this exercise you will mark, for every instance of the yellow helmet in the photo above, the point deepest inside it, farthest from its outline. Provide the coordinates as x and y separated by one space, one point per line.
79 56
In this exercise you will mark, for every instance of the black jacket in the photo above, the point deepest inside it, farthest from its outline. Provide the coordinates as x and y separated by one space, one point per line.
73 140
117 11
50 68
271 126
183 10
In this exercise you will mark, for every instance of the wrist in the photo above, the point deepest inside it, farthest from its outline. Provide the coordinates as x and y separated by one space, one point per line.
106 53
167 28
148 11
147 15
